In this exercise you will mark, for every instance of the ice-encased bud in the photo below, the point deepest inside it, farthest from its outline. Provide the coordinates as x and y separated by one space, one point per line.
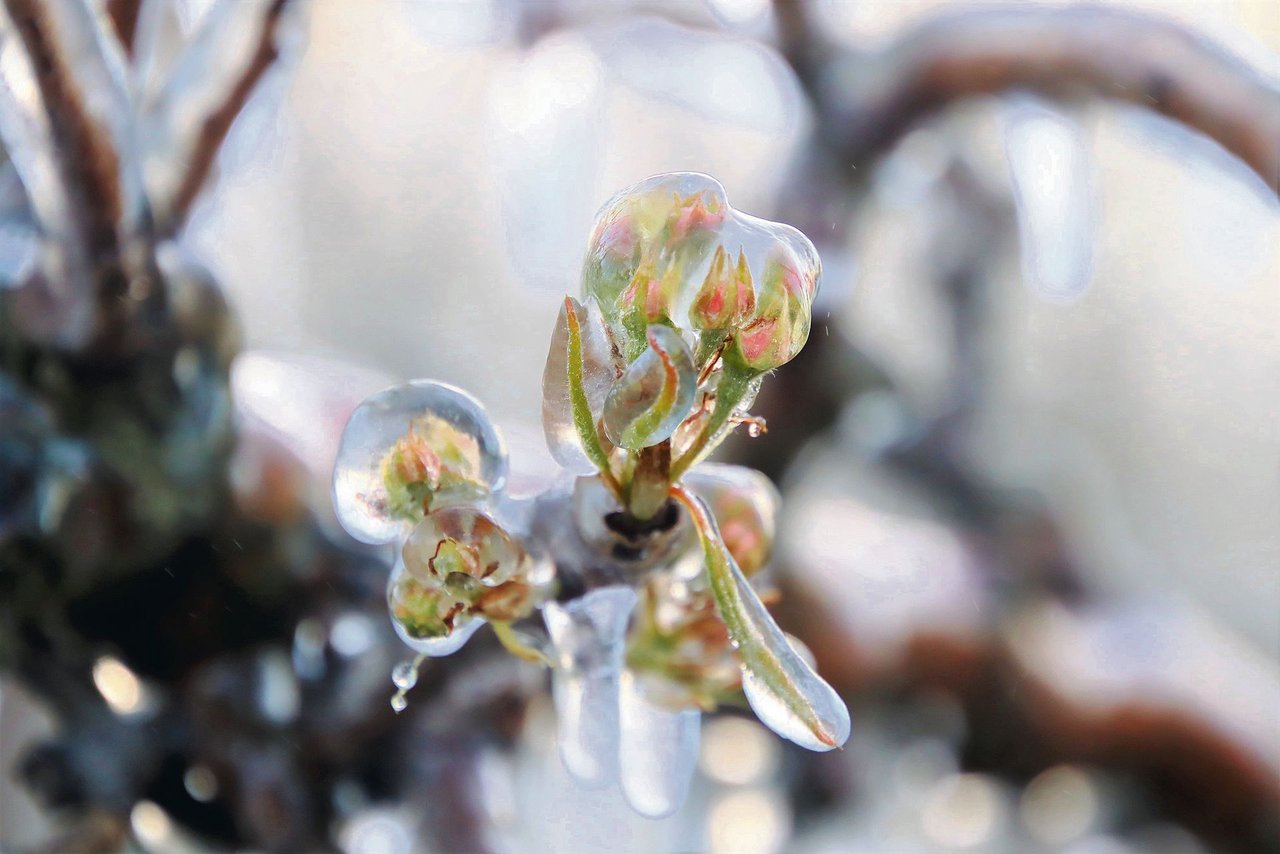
476 565
779 327
588 635
415 446
426 616
658 749
744 504
654 395
671 249
596 371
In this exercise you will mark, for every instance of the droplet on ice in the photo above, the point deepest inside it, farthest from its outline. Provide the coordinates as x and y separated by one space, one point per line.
657 752
589 636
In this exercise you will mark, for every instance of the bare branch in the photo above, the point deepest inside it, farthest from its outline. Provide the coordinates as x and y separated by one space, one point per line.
57 38
1073 53
124 17
218 73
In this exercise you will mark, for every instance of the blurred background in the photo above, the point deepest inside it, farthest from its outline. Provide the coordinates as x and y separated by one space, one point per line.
1030 458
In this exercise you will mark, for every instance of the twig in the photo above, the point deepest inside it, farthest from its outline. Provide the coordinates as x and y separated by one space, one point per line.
1062 53
124 17
217 122
85 154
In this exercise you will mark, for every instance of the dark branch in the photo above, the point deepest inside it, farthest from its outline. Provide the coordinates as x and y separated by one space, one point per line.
872 100
88 164
124 17
218 122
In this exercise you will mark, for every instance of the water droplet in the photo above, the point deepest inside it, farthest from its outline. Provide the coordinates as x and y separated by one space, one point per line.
754 429
360 494
399 703
588 635
658 750
405 674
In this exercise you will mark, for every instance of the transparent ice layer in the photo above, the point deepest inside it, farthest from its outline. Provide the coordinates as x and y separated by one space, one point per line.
658 750
360 494
588 635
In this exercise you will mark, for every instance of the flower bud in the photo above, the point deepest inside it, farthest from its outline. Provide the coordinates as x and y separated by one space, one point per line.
727 297
782 318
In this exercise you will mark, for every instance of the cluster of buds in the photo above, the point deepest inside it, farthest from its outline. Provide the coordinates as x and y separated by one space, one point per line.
686 304
421 465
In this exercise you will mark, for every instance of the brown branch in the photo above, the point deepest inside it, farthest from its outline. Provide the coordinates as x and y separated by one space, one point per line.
218 122
87 162
124 17
870 101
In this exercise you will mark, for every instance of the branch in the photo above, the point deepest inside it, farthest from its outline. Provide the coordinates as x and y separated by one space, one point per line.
124 17
1060 53
207 91
83 102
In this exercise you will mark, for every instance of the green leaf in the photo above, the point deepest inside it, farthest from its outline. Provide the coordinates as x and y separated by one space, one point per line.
785 692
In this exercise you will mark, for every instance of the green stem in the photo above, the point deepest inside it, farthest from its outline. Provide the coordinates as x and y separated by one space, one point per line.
511 641
732 387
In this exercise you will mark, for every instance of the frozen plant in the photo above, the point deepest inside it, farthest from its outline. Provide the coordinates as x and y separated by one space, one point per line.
641 567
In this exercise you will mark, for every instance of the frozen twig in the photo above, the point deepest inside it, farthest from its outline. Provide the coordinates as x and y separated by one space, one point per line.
83 102
124 17
236 45
870 100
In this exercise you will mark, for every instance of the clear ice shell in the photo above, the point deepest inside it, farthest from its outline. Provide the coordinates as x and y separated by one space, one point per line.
598 374
644 222
589 639
464 627
658 750
375 426
477 533
642 408
771 709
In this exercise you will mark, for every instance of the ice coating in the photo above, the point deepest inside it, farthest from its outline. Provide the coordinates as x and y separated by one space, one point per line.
673 243
405 593
782 688
436 429
588 635
744 504
658 750
598 374
654 395
776 711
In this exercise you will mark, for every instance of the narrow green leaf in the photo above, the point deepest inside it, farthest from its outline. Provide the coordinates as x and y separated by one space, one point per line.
584 422
785 692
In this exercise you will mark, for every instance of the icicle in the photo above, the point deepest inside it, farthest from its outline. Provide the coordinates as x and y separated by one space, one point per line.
589 637
658 750
1050 164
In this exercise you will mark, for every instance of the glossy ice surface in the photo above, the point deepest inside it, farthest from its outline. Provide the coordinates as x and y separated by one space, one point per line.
671 248
443 431
589 635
